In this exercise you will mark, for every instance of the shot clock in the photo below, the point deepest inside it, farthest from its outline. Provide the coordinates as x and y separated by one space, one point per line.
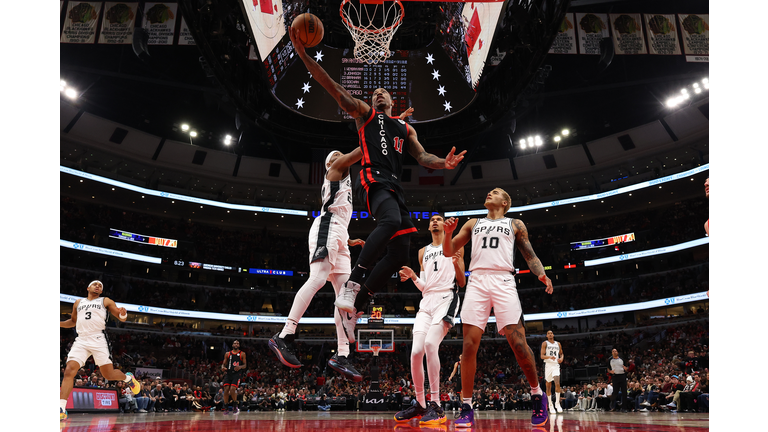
375 316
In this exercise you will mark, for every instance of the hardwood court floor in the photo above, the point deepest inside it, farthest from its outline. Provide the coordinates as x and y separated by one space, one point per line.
342 421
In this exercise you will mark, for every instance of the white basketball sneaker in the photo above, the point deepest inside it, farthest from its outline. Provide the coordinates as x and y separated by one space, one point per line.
346 299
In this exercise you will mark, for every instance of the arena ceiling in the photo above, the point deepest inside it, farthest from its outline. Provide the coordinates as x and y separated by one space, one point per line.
170 85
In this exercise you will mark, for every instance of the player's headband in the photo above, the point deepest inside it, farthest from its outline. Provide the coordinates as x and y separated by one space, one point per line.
328 158
96 281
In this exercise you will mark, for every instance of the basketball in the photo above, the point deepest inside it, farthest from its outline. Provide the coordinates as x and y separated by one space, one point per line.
310 29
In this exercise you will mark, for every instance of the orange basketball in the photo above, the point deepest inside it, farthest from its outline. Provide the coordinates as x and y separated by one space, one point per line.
310 29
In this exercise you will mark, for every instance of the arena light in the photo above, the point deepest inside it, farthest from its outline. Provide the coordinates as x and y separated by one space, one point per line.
193 134
185 127
522 143
228 140
538 141
565 132
70 93
557 138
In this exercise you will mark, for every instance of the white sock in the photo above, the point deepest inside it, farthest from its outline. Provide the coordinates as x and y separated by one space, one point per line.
63 404
468 401
288 328
557 398
435 397
127 378
536 390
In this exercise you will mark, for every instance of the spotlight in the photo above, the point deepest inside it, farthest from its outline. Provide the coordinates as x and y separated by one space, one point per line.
522 143
193 134
185 127
684 91
565 132
557 138
695 85
530 140
227 140
672 102
697 90
705 81
70 93
538 141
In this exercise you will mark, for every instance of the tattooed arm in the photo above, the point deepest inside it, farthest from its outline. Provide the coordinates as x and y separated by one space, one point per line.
428 159
521 240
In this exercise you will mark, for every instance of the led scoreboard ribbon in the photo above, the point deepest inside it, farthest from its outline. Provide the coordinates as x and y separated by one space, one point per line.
588 244
140 238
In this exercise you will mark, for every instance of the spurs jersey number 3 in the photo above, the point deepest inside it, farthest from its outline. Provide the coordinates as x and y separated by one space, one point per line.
493 245
438 270
91 317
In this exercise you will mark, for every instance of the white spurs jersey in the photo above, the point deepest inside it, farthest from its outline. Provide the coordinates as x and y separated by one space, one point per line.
337 200
552 349
438 270
493 245
92 317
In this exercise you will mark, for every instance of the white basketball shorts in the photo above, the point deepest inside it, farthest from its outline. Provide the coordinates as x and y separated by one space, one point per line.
96 345
491 289
331 244
551 370
434 308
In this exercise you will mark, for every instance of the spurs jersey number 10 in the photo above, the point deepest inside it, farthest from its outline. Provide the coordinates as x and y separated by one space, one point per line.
91 317
438 270
552 349
493 245
337 199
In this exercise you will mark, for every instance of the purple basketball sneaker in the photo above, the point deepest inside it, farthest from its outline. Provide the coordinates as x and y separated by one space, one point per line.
466 418
540 415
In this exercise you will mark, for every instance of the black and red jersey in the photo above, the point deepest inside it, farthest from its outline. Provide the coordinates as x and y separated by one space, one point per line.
234 359
382 139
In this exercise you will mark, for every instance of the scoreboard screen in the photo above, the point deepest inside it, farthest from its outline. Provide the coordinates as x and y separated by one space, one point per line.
141 238
598 243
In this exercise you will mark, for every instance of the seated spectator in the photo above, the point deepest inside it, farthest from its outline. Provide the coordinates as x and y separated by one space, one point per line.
703 399
687 397
144 400
125 398
160 403
323 405
218 400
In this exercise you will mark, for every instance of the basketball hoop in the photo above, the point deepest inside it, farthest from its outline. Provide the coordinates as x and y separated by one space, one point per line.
372 25
375 349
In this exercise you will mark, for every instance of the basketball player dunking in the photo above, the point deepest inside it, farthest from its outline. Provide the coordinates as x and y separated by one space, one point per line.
492 285
439 305
233 365
382 140
552 354
329 261
89 317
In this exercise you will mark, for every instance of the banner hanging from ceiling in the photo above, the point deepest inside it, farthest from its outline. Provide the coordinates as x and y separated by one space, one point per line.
627 32
565 41
80 22
663 37
117 23
592 29
160 22
694 30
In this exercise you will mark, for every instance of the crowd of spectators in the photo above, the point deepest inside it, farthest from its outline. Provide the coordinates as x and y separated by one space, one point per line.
658 366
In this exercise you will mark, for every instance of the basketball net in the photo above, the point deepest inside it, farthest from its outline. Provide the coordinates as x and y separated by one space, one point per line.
375 349
372 24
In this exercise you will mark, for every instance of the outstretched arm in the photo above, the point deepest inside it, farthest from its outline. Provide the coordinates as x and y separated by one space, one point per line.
428 159
73 320
342 164
521 239
354 107
114 310
450 244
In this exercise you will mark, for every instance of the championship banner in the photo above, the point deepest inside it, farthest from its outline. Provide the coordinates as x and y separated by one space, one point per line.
160 22
80 22
565 41
185 36
695 34
627 32
663 37
117 23
592 29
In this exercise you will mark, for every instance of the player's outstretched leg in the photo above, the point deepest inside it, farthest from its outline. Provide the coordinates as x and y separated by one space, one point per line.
515 334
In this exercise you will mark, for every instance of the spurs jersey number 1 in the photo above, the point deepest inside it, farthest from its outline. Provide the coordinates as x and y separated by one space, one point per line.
337 199
91 317
438 270
493 245
552 349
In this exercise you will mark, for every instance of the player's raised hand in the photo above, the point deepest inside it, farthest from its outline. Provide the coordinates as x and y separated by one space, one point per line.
356 242
298 46
452 160
456 258
406 273
450 225
406 113
545 280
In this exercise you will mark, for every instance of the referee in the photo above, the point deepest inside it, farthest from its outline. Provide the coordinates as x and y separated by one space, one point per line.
617 369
